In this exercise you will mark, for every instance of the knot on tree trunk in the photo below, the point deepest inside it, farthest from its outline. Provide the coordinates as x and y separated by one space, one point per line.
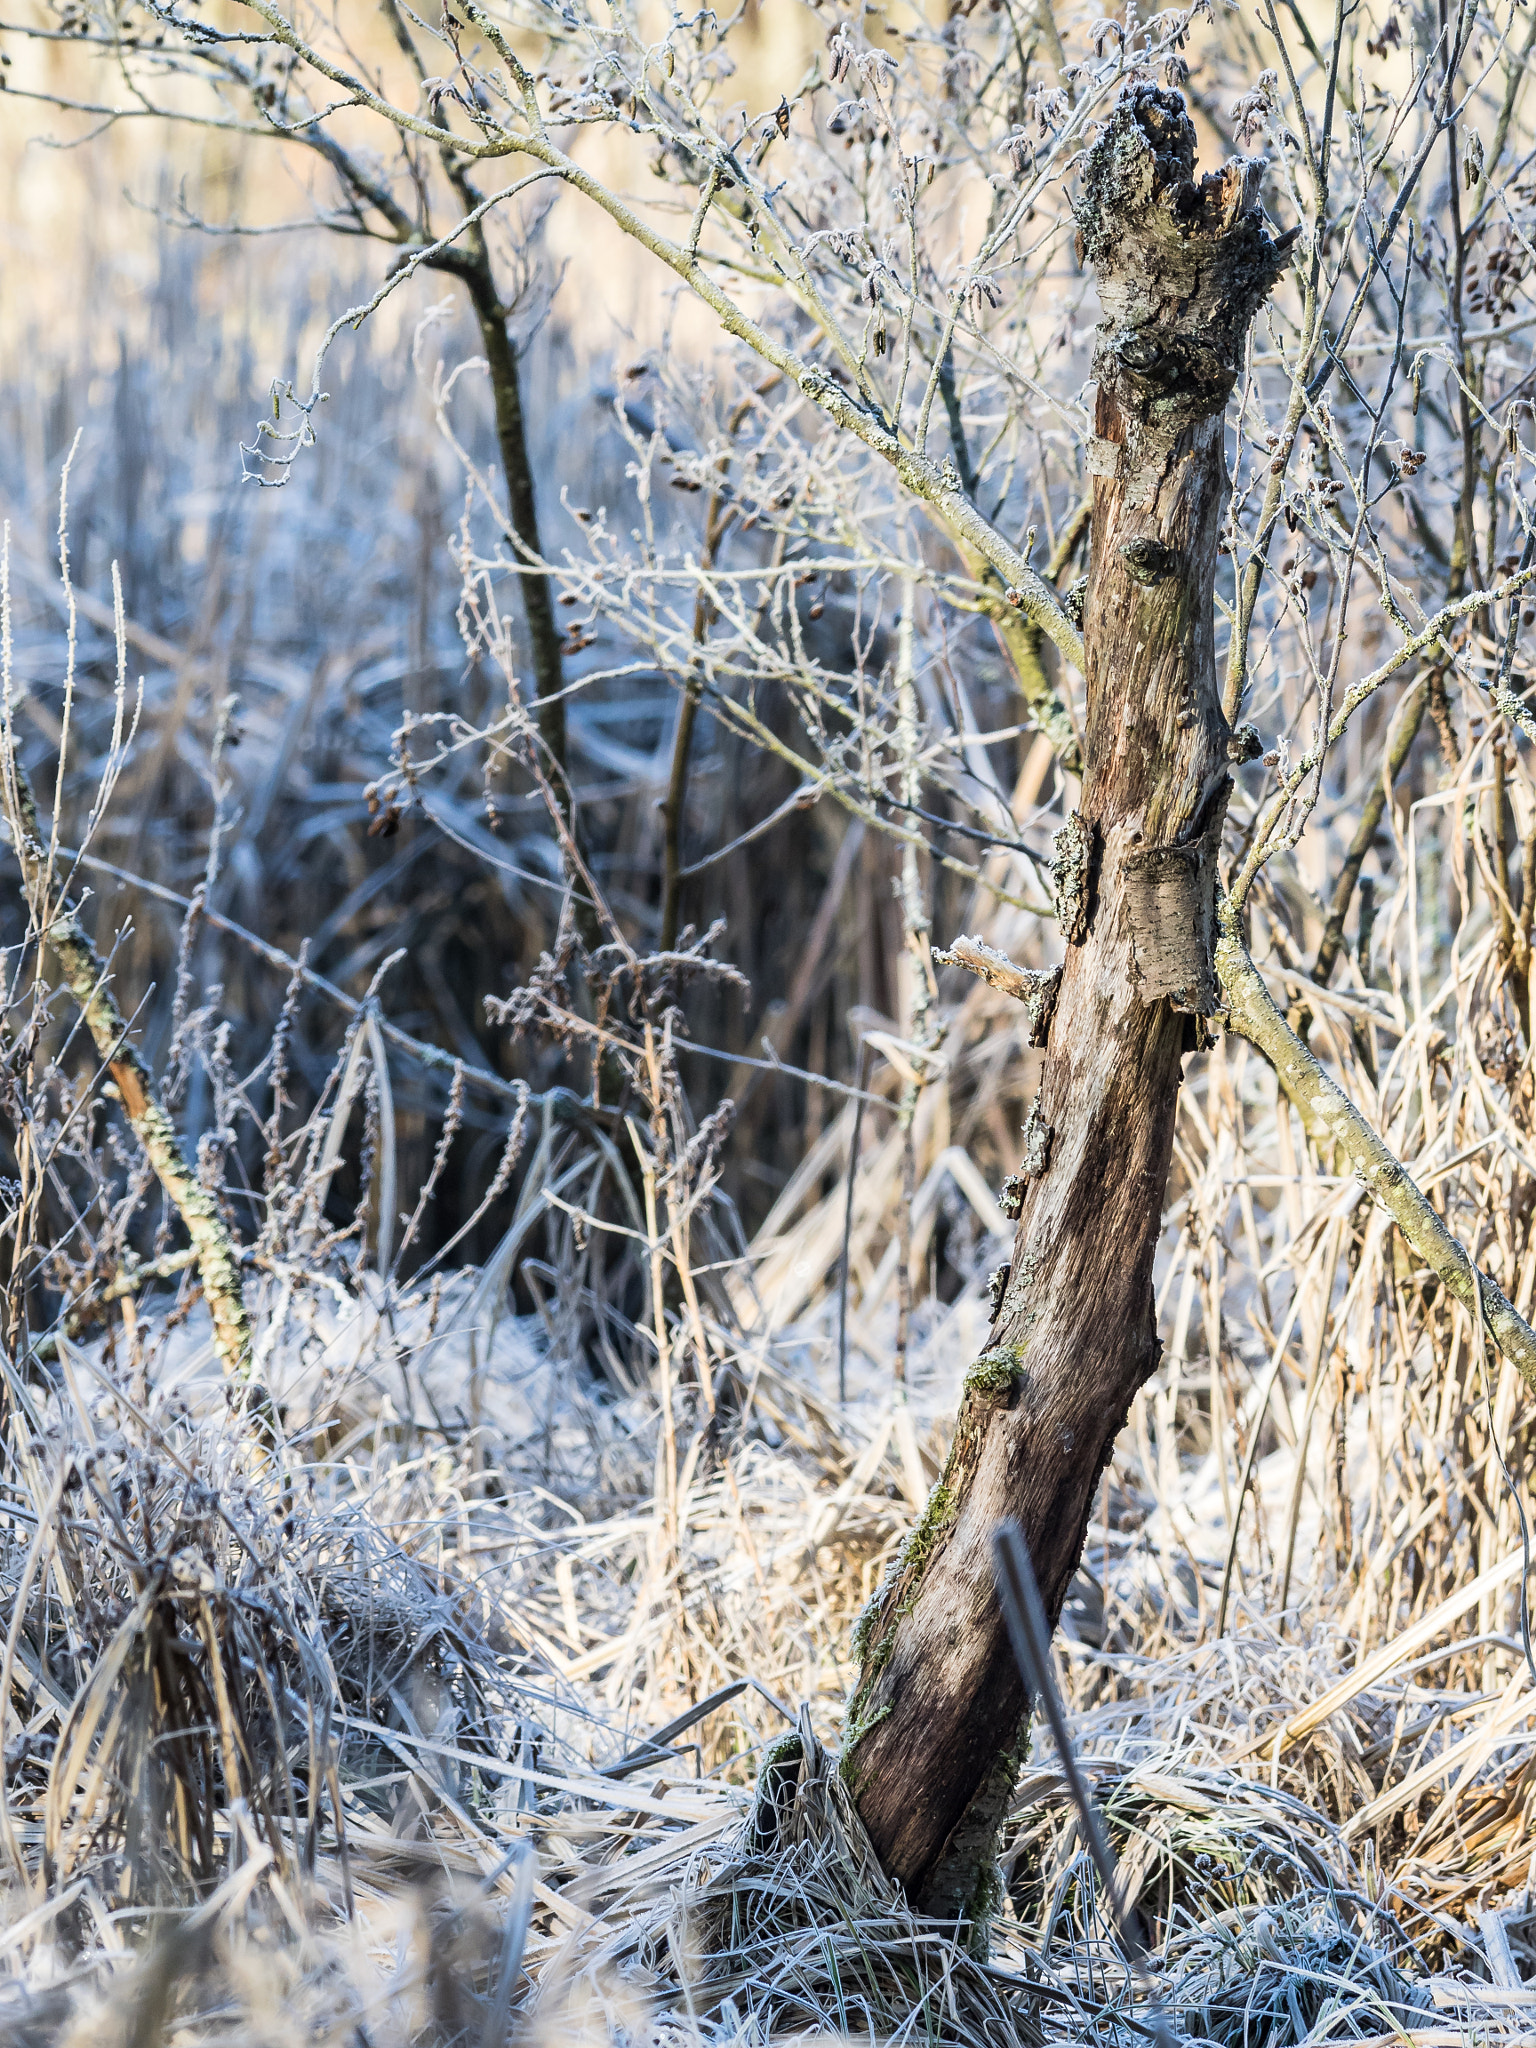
1182 265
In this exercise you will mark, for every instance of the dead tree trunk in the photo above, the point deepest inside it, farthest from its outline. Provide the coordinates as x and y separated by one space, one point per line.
936 1726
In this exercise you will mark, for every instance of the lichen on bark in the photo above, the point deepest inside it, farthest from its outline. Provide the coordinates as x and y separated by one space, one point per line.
1071 851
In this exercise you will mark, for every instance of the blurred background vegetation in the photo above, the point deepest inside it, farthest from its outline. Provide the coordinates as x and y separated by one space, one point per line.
327 611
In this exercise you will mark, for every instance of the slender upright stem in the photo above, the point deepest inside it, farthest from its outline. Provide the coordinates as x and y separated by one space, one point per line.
673 806
522 511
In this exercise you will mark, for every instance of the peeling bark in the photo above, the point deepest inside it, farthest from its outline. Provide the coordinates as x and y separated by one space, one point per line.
936 1726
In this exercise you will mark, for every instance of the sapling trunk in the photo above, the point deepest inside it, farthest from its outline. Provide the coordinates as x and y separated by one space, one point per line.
936 1726
544 644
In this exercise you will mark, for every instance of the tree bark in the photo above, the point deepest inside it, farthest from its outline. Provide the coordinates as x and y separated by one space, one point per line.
936 1727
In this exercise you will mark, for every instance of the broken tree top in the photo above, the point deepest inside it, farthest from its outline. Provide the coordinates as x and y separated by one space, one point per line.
1182 265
